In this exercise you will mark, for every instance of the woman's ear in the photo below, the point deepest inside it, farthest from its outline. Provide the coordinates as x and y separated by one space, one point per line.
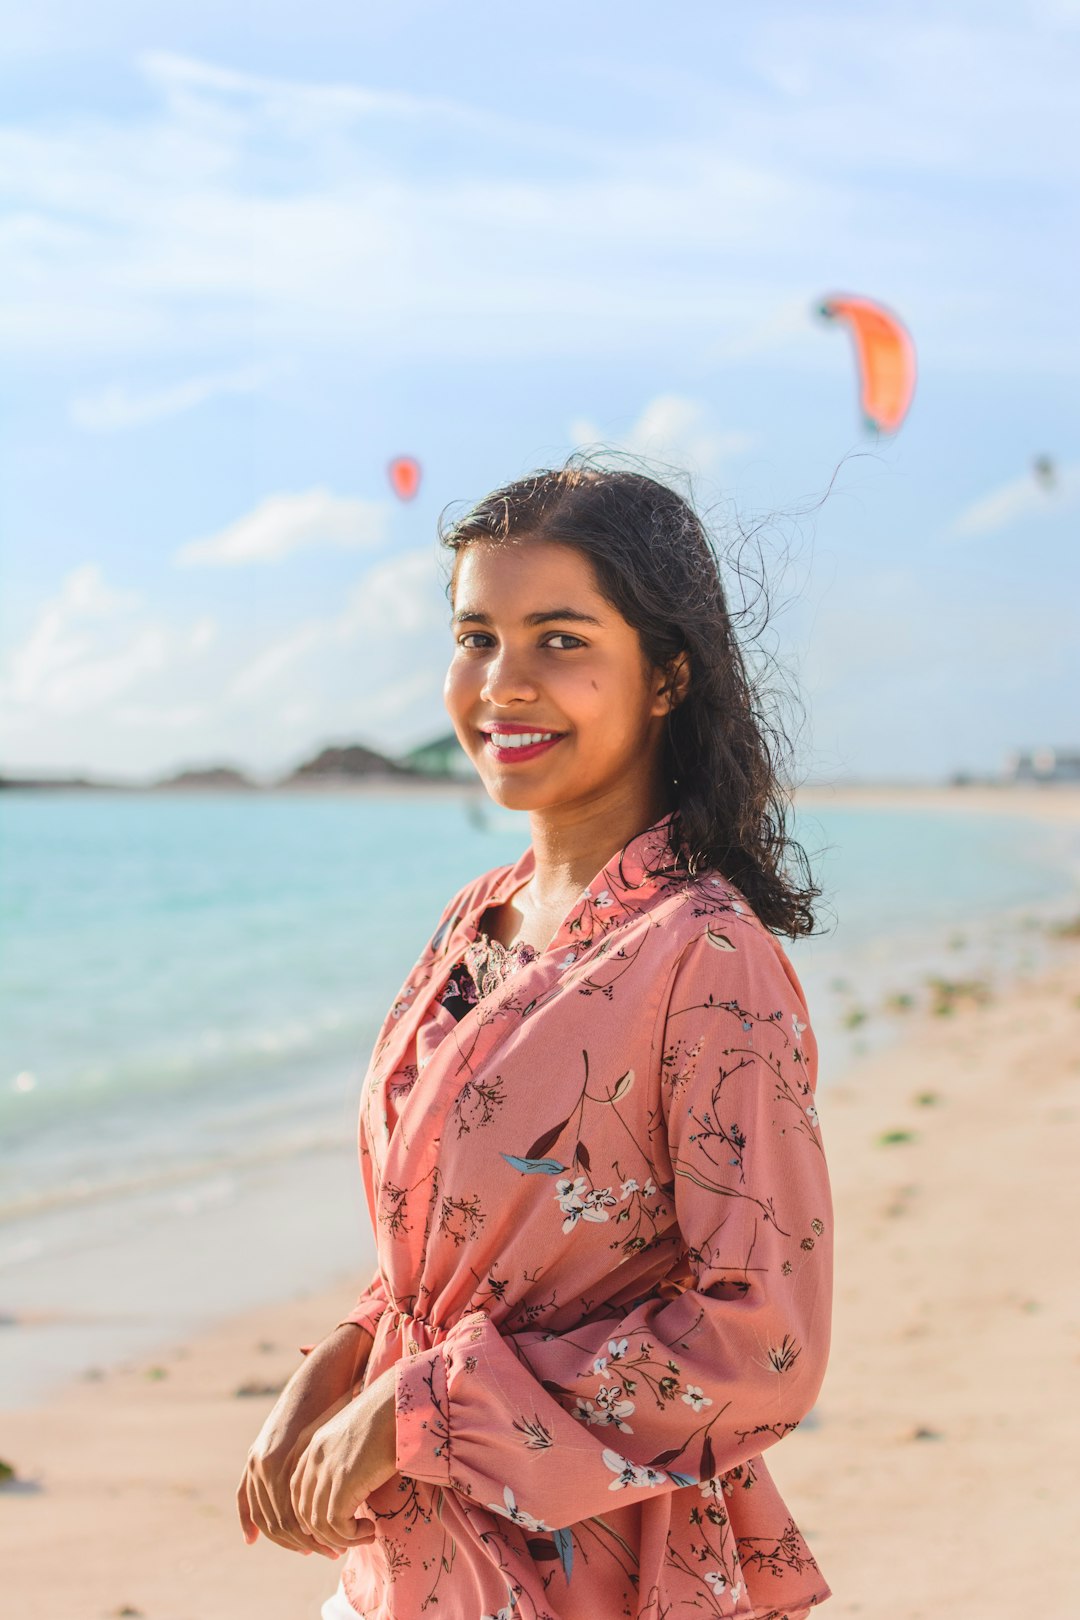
676 682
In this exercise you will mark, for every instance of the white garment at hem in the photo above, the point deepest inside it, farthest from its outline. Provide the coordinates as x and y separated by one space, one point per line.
338 1607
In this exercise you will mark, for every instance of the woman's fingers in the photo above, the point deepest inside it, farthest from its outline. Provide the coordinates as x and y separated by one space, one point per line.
332 1518
341 1519
264 1511
278 1522
316 1511
247 1524
301 1494
304 1494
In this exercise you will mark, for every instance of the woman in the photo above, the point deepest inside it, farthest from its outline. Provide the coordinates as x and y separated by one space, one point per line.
588 1133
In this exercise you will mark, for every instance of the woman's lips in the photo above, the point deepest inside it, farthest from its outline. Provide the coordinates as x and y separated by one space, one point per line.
518 754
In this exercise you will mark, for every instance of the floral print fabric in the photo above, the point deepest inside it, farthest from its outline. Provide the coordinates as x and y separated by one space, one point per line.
484 966
604 1232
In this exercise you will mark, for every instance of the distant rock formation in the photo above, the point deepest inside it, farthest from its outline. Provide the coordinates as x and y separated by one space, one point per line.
208 776
59 783
441 760
351 763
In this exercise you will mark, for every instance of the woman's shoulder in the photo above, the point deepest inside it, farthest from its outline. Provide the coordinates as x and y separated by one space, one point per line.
707 920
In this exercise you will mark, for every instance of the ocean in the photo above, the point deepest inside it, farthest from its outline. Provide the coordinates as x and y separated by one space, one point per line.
190 985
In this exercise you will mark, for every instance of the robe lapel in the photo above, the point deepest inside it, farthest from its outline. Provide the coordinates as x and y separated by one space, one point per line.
622 889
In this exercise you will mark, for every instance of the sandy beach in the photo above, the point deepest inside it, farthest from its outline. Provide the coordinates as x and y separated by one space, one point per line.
1057 802
934 1476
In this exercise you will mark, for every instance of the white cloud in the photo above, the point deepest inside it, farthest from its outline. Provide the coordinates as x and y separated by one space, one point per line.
283 524
203 632
398 597
278 657
1023 498
117 407
103 682
59 641
394 603
161 716
235 208
183 79
89 646
671 429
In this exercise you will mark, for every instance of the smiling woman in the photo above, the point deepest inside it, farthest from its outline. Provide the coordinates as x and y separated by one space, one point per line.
636 638
556 705
588 1133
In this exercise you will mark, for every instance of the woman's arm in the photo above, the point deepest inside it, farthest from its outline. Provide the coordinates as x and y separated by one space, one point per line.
323 1383
546 1427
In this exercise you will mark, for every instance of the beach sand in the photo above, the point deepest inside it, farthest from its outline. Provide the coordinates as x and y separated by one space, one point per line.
935 1476
1051 801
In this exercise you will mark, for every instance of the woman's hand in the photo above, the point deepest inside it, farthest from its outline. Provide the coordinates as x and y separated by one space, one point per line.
346 1459
319 1387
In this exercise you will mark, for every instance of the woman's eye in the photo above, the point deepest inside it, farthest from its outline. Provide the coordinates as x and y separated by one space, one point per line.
478 640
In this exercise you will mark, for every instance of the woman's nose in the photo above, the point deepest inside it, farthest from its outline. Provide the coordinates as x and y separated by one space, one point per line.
508 680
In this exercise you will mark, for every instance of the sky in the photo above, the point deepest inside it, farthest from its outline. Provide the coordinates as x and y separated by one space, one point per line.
247 254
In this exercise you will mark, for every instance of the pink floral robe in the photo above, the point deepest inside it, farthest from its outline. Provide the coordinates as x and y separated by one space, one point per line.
604 1232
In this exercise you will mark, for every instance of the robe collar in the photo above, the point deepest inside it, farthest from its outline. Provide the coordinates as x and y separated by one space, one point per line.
619 890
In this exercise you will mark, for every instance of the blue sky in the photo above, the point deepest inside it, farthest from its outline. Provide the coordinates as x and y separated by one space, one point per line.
244 263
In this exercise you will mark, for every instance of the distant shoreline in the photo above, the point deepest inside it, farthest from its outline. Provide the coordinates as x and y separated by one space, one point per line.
1052 801
247 788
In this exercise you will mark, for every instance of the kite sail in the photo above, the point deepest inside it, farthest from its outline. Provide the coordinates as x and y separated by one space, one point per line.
404 472
886 358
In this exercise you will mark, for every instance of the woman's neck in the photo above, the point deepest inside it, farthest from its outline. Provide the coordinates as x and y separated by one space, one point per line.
570 848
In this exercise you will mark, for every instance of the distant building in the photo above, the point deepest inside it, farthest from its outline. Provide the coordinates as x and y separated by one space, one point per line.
444 757
1043 765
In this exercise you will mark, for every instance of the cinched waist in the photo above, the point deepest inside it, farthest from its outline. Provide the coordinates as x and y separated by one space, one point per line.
418 1332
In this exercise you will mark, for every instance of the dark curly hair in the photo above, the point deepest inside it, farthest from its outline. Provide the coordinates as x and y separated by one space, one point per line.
724 747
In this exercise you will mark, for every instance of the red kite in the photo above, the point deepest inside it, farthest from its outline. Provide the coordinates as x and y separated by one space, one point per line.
886 357
404 474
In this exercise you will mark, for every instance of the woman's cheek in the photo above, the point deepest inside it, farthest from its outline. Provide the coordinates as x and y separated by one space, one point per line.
456 689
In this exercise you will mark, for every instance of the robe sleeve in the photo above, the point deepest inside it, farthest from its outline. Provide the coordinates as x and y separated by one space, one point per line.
550 1429
365 1313
369 1306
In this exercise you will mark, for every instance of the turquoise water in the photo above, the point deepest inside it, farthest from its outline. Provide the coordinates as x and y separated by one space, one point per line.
191 981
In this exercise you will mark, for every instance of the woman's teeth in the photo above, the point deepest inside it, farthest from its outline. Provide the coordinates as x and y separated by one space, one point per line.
520 739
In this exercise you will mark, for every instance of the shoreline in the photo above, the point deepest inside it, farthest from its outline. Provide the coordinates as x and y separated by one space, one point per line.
946 1411
1057 802
1046 801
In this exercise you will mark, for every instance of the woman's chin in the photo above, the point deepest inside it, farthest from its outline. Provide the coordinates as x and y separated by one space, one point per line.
511 796
518 795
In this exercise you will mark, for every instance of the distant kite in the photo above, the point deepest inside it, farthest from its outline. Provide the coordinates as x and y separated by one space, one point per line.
1045 472
404 473
886 358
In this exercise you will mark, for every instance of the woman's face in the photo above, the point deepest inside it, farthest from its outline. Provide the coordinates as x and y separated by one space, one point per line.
548 689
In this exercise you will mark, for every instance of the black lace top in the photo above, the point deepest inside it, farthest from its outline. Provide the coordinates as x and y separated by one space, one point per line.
484 965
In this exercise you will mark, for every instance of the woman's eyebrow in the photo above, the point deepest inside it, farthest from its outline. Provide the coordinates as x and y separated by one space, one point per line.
545 617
